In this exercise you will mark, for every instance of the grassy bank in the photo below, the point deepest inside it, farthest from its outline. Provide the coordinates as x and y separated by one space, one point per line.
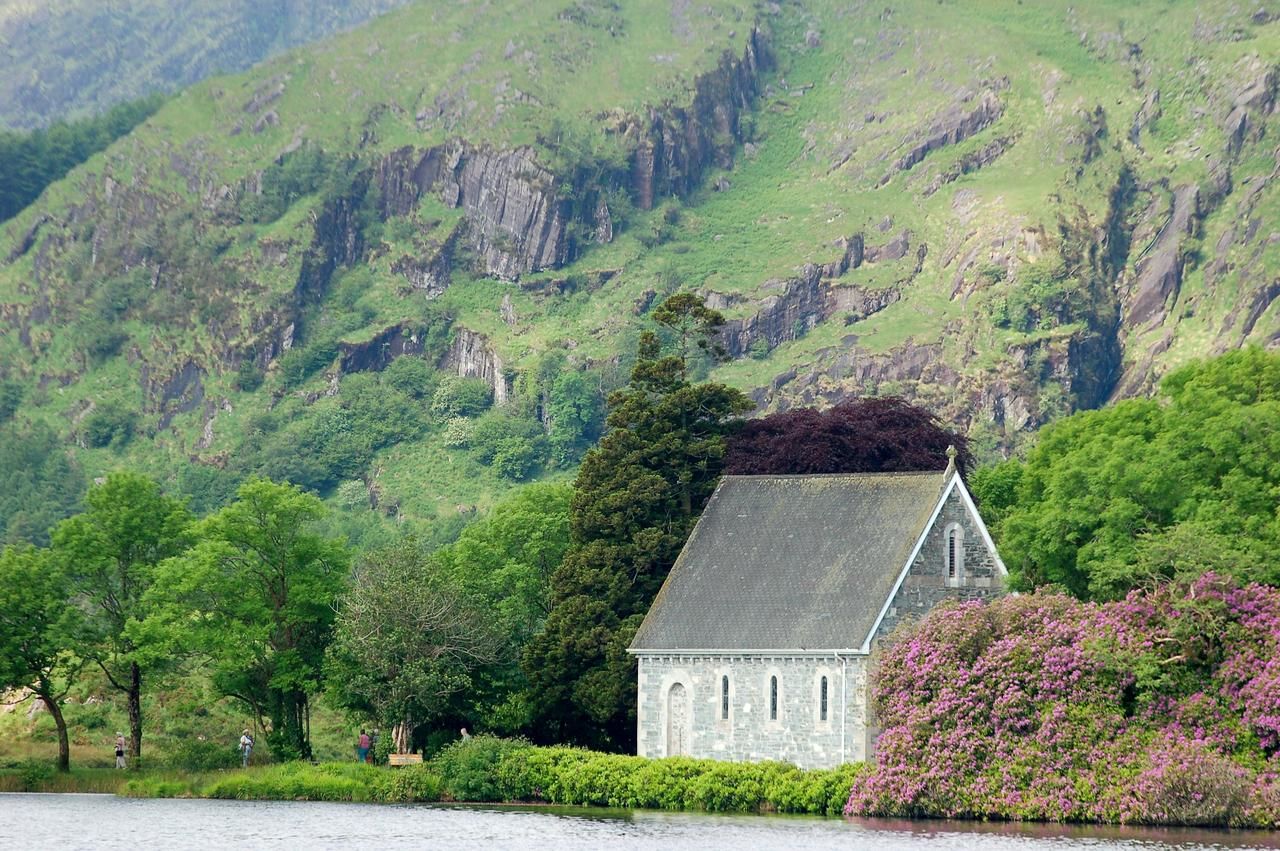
485 769
40 776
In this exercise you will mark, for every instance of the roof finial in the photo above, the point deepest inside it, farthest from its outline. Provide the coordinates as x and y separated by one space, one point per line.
951 461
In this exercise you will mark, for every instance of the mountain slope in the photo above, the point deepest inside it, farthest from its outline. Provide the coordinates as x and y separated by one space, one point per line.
1005 213
66 58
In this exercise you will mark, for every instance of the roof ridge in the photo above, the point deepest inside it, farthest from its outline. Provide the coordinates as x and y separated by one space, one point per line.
833 475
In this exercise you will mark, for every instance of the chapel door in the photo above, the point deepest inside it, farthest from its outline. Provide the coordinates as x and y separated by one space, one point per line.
677 721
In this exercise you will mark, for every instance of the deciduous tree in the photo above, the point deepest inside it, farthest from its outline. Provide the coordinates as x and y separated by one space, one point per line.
38 633
256 597
1149 489
858 436
109 555
407 640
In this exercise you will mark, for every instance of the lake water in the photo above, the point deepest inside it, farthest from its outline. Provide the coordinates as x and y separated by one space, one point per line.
106 822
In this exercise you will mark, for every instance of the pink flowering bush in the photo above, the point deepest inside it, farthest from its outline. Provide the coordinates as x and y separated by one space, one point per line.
1162 708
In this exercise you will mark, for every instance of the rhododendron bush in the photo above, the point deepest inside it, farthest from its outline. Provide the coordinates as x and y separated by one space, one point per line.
1161 708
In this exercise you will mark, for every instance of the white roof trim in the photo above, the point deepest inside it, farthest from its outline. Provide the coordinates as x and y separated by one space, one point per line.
982 527
924 533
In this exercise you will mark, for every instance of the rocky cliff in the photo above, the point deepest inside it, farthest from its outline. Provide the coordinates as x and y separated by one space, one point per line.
1003 216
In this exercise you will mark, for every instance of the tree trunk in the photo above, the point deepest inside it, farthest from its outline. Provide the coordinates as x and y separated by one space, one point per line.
64 746
135 713
400 735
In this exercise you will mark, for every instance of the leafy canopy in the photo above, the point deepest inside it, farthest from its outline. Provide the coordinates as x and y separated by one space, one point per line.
110 554
858 436
406 639
255 596
38 632
1149 489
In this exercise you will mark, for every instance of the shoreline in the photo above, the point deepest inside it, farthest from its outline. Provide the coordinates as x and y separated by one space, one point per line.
1180 834
420 785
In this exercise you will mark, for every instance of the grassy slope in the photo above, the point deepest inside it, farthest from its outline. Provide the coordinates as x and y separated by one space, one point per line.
875 83
65 58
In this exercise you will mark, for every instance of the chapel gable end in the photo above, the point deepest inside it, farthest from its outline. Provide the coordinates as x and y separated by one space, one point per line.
954 561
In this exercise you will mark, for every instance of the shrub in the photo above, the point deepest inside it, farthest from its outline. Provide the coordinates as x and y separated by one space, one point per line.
110 424
515 458
248 376
1162 708
197 755
35 774
412 376
470 767
460 397
411 783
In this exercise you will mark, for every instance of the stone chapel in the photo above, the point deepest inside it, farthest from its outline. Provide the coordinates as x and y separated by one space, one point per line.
759 643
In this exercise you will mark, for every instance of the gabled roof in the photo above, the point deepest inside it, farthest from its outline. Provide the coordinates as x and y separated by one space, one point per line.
792 562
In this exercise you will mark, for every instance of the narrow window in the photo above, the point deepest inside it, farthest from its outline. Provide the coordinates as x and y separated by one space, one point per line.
773 698
724 698
953 553
822 700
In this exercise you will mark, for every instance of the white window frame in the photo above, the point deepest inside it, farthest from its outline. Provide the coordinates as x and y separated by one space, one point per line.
956 529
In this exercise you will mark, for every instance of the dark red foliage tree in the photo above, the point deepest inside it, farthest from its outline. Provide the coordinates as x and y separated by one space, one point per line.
875 435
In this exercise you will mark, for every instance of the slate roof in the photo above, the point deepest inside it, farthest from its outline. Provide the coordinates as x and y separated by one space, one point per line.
791 562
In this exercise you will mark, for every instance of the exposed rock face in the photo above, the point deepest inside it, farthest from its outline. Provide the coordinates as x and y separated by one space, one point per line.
1160 272
1250 104
432 272
377 354
673 145
471 356
516 221
173 394
796 305
969 163
957 124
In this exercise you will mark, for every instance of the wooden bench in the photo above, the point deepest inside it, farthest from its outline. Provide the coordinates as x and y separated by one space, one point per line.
404 759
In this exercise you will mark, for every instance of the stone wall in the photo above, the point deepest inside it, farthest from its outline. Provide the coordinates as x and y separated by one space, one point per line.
927 584
798 735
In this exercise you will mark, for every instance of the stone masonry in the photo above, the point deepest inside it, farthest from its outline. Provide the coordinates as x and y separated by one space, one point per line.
799 734
681 707
926 584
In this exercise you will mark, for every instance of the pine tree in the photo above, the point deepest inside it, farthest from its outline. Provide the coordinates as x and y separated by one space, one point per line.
637 496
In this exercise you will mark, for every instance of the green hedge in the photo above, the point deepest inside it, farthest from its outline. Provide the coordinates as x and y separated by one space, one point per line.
297 781
489 769
484 768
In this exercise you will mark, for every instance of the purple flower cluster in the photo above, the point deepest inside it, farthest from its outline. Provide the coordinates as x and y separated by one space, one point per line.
1162 708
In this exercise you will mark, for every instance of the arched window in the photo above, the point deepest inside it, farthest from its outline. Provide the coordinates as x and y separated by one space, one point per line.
822 700
954 539
773 698
724 698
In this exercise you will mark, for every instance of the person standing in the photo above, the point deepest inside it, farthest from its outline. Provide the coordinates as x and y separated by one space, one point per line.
119 749
246 748
362 747
373 746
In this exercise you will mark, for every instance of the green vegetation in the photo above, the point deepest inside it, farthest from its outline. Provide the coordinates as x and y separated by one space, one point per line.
36 159
71 57
1149 490
255 595
108 557
38 634
636 498
487 769
40 482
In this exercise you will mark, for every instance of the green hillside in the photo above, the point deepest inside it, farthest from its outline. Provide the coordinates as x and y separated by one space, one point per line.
66 58
1003 211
